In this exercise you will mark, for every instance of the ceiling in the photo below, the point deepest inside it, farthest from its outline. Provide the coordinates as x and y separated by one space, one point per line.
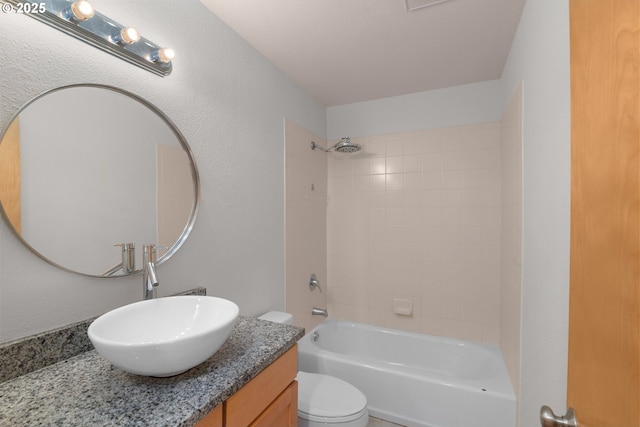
346 51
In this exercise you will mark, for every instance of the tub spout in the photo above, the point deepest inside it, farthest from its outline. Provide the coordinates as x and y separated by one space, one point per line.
319 312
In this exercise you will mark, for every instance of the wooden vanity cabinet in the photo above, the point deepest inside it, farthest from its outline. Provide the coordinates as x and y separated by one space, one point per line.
213 418
268 400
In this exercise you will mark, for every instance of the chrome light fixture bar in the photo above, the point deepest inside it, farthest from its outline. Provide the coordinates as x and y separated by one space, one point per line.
80 20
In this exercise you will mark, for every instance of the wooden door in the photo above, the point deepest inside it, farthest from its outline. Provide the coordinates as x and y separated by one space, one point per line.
10 174
604 352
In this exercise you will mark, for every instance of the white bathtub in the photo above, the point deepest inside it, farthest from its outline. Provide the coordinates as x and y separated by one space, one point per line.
414 379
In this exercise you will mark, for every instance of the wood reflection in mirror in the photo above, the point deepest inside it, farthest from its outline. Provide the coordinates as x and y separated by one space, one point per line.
10 174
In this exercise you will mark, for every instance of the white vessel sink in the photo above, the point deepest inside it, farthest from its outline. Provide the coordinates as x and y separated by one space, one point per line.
165 336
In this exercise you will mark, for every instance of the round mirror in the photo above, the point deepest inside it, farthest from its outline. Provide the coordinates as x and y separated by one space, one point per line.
91 173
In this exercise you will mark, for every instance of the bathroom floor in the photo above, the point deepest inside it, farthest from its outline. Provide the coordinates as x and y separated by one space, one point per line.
377 422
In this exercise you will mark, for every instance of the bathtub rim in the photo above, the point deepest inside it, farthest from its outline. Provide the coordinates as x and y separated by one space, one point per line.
500 385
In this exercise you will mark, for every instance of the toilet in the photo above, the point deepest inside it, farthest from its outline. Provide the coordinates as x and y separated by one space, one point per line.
324 400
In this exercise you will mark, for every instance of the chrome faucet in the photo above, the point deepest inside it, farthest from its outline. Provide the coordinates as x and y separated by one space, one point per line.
319 312
128 263
149 275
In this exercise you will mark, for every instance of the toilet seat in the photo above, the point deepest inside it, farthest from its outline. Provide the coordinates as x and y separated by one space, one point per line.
326 399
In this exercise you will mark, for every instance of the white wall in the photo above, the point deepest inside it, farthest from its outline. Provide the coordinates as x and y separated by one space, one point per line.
539 57
454 106
228 101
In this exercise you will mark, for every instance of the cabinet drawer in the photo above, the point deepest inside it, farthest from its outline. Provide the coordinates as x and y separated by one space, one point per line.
250 401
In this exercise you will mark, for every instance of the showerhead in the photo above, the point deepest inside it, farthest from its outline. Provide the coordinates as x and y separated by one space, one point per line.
343 146
346 146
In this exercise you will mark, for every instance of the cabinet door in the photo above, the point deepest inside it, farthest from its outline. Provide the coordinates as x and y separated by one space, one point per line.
212 419
250 401
283 412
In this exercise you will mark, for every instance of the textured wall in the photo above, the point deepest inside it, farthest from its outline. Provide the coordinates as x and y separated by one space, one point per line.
228 101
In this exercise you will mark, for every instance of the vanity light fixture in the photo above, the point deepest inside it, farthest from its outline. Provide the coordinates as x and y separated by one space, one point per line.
165 55
80 10
127 35
81 20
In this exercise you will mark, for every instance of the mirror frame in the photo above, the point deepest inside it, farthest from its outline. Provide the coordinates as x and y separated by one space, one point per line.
183 143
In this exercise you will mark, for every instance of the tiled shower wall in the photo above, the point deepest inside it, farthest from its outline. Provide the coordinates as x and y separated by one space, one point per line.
415 218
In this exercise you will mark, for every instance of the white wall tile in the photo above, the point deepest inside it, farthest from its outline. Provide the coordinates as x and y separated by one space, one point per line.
394 146
453 160
432 180
412 163
394 217
394 199
432 161
431 197
360 183
360 166
412 181
394 164
374 146
377 182
452 179
394 181
430 230
377 166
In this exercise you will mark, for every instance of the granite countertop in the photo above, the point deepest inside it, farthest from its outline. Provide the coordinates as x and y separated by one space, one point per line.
86 389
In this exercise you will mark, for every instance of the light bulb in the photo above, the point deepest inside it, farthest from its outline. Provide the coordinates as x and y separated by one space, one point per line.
82 10
129 35
166 54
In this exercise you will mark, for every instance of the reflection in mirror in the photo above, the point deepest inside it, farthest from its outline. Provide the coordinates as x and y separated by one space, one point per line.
89 173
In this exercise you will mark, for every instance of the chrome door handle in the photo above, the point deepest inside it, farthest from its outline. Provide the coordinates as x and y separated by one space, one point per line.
549 419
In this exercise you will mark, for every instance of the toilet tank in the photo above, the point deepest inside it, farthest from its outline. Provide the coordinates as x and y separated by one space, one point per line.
278 317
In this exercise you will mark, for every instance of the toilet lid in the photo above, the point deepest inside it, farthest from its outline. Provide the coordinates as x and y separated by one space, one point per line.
322 397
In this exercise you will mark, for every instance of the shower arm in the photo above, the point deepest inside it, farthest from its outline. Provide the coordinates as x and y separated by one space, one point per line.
319 147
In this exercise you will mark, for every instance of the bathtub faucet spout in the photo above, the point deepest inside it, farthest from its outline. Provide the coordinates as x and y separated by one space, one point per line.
319 312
